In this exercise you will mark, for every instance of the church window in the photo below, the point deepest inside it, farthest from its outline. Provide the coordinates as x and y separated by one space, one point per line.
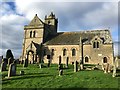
49 22
97 44
105 60
30 34
52 52
86 59
73 52
94 44
34 34
64 52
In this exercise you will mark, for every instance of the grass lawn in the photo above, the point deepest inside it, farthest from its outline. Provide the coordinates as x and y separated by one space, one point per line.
48 78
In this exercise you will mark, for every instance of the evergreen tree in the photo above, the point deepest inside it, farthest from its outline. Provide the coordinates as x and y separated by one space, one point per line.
9 54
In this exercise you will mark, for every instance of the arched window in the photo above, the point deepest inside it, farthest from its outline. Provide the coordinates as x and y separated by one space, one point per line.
30 34
52 52
64 52
97 44
86 59
34 34
73 52
94 44
105 60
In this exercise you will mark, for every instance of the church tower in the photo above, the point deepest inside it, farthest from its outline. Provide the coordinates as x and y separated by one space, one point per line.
33 36
51 23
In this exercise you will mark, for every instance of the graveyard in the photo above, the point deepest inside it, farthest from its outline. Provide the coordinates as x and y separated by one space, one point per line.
48 77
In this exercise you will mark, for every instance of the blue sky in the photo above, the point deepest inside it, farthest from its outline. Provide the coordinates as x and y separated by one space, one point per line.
72 16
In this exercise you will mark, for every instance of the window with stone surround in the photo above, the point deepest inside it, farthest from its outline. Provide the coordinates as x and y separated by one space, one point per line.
30 34
64 52
105 60
52 52
73 52
34 34
96 44
86 59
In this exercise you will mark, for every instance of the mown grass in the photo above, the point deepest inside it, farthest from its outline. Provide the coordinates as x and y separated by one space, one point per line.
48 78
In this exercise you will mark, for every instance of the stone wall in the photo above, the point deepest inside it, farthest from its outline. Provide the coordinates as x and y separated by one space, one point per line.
96 55
59 52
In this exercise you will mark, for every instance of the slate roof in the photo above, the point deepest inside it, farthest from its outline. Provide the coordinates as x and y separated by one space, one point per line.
73 38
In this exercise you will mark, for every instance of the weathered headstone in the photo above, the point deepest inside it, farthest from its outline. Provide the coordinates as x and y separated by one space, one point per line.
21 72
60 66
22 62
40 65
114 68
114 71
25 63
81 65
3 66
10 60
60 72
67 62
12 69
48 62
75 66
110 68
106 68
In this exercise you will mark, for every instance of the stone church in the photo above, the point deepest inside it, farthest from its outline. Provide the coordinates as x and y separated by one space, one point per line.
43 42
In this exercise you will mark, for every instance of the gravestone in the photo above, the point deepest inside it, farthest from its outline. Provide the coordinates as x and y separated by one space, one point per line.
21 72
81 65
25 63
22 62
114 71
48 62
10 60
114 67
67 62
60 66
60 72
3 66
12 69
75 66
40 65
110 68
106 68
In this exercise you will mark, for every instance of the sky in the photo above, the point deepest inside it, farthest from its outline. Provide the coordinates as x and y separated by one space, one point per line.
72 16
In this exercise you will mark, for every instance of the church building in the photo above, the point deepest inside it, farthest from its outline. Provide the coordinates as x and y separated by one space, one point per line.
43 42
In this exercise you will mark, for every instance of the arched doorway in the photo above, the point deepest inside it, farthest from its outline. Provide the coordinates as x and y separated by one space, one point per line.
30 56
105 60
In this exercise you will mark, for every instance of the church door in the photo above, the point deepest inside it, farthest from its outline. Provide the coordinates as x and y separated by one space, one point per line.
31 57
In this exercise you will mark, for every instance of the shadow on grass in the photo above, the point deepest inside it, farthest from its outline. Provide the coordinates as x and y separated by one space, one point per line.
26 77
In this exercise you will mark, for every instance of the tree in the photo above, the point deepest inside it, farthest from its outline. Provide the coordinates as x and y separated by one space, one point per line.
9 54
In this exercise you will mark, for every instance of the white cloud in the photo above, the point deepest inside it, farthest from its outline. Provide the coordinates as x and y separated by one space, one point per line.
11 31
72 17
